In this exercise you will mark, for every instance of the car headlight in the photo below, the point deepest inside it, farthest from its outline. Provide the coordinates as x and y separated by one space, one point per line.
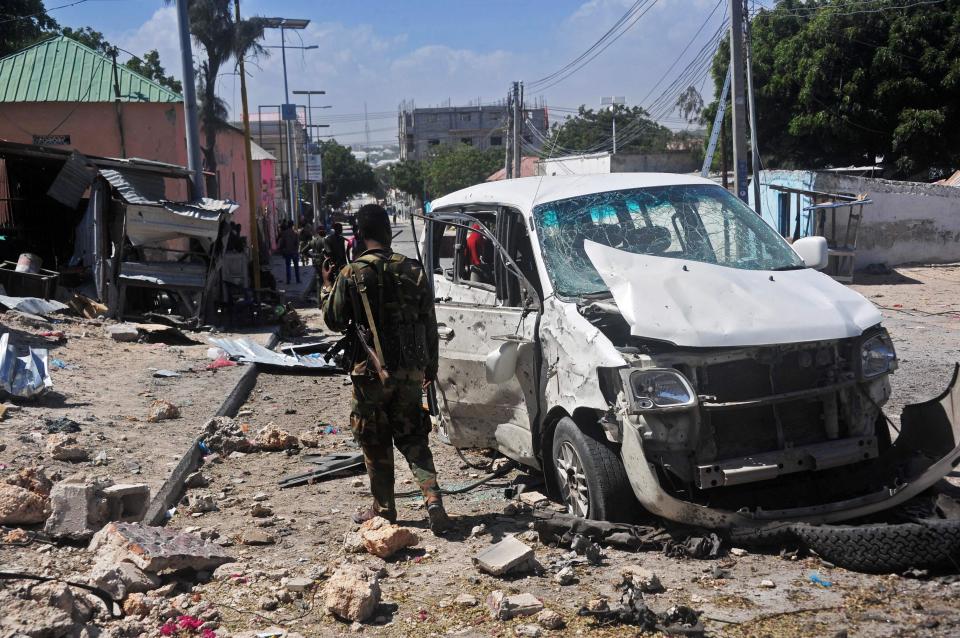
877 356
661 389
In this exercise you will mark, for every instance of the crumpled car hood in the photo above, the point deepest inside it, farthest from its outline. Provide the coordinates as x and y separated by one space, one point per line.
700 305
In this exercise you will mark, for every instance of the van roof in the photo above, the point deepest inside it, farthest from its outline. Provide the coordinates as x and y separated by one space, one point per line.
526 192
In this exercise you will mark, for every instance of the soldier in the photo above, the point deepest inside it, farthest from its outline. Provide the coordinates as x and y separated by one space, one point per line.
384 298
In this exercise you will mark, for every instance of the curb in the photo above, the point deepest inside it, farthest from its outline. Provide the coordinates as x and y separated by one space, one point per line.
172 488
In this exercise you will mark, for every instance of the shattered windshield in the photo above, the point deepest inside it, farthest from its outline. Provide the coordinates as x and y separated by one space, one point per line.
696 222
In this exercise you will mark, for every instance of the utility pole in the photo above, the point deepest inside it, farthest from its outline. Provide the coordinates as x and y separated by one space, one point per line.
739 100
754 147
190 103
310 126
508 155
251 191
517 125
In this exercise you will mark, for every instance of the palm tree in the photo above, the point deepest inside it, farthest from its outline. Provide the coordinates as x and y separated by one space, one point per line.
213 27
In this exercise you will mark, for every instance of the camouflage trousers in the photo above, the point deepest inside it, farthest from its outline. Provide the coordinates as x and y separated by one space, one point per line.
388 415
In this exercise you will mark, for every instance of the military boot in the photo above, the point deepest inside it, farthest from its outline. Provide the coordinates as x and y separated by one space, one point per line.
439 521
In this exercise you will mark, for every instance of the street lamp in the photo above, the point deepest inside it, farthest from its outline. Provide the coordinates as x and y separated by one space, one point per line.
612 103
310 126
288 111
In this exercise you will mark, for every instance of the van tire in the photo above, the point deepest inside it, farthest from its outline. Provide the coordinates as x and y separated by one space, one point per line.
883 549
610 496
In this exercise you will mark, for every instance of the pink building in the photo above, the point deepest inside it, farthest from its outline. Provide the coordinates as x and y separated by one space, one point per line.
61 93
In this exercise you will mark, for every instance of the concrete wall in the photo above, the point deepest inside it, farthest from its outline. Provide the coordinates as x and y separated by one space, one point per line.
666 162
908 221
423 128
151 131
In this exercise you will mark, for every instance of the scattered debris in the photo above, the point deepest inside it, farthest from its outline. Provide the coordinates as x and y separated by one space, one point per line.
509 555
23 376
259 510
155 549
87 307
641 578
32 305
534 499
528 631
383 539
201 501
737 551
64 447
273 439
767 583
329 465
353 543
466 600
120 578
584 547
165 374
20 506
352 593
123 332
503 607
7 407
249 351
566 576
62 425
816 579
633 611
299 584
256 537
162 410
223 435
549 619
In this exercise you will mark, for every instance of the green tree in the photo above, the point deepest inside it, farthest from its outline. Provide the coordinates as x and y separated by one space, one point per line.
149 66
22 23
591 131
223 39
406 176
344 175
450 168
838 85
87 36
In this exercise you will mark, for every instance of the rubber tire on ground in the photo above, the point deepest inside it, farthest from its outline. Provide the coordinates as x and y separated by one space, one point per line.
881 549
611 497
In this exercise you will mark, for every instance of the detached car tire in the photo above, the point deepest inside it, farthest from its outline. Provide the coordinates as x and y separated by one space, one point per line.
588 464
880 549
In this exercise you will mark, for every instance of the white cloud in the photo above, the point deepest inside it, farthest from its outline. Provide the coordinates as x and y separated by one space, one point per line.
160 33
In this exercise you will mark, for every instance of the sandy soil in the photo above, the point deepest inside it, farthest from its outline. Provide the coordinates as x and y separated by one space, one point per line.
309 522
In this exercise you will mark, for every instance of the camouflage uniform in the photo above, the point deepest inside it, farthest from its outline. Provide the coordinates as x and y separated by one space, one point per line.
392 414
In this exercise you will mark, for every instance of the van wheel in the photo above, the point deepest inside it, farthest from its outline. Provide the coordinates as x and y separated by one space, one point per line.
593 483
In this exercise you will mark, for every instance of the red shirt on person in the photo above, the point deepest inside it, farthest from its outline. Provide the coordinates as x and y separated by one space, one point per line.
476 243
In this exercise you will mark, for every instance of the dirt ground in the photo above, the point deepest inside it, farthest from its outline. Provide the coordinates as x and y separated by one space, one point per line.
308 523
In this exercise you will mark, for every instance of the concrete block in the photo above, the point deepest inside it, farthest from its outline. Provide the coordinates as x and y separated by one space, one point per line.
155 549
125 332
534 499
77 510
508 555
503 607
127 501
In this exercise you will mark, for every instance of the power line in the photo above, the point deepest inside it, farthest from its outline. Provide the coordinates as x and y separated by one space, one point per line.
14 17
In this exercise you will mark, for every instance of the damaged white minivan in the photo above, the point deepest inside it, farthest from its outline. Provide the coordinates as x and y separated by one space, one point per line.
649 343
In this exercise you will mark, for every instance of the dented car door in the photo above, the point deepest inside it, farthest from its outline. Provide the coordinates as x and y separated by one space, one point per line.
486 383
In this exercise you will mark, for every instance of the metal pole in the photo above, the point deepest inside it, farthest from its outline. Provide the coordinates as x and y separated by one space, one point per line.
754 148
717 127
614 131
251 191
286 91
517 122
190 102
739 99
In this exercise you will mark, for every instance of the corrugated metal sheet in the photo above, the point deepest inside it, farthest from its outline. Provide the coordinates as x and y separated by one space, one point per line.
953 180
73 180
63 70
135 187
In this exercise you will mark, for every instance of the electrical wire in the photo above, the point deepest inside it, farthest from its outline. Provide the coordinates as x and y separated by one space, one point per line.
14 18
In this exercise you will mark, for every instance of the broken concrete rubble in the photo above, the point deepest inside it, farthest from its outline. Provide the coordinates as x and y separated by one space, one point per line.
155 549
223 435
161 411
352 593
509 555
273 439
81 506
120 578
534 499
64 447
549 619
383 539
123 332
504 607
20 506
641 578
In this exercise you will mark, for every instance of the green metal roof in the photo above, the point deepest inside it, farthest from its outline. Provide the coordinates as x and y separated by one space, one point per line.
63 70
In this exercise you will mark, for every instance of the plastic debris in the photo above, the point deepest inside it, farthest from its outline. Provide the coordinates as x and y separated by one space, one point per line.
61 364
62 425
222 362
24 376
165 374
817 580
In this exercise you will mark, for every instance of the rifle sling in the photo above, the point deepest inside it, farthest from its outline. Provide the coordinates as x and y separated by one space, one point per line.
370 322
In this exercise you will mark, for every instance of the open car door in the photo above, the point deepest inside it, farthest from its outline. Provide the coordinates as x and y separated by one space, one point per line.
487 384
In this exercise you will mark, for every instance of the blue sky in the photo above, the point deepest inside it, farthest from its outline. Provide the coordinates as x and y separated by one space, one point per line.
380 52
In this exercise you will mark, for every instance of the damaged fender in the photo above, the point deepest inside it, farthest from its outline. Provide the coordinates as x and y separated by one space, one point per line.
927 449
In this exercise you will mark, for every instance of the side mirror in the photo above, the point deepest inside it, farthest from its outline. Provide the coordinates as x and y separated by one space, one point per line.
502 363
813 251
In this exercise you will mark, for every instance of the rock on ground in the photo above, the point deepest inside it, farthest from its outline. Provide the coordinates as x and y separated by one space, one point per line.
641 578
155 549
20 506
383 539
273 439
352 593
161 411
549 619
503 607
121 578
64 447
